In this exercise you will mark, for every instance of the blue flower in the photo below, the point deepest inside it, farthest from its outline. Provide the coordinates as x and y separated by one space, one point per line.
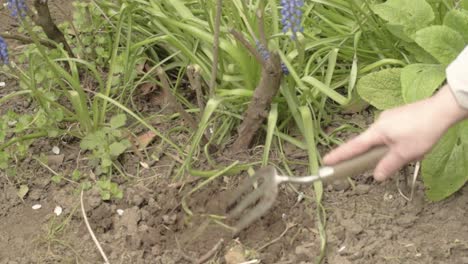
17 7
263 51
4 52
291 16
266 55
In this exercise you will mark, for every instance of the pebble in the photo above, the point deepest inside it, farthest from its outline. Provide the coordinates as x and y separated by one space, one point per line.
169 220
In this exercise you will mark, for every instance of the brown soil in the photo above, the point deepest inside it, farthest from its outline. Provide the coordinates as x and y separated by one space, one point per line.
370 223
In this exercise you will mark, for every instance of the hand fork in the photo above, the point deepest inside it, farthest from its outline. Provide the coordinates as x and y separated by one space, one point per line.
267 191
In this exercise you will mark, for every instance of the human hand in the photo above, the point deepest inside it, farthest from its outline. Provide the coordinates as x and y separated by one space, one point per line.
409 131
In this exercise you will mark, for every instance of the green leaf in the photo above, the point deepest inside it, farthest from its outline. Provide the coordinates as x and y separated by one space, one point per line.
399 31
381 89
23 190
419 81
116 191
105 195
441 42
118 121
104 184
93 140
416 53
76 175
57 178
117 148
445 168
106 162
412 15
458 20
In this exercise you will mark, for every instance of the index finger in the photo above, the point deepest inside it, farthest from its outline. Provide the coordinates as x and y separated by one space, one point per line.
355 146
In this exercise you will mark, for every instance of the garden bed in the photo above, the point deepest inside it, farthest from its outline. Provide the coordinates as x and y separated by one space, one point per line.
367 222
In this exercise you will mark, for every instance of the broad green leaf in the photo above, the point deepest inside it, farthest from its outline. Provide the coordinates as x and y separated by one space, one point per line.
118 121
419 81
445 168
117 148
441 42
458 20
399 31
381 89
415 52
412 15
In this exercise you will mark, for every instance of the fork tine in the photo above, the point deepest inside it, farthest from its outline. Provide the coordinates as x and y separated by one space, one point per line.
258 211
247 183
248 200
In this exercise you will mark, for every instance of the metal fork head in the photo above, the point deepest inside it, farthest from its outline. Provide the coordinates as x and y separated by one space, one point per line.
262 198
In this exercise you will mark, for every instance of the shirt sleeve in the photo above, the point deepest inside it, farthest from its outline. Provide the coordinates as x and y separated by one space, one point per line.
457 78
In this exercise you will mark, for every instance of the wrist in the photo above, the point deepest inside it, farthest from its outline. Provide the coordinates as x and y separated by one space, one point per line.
447 108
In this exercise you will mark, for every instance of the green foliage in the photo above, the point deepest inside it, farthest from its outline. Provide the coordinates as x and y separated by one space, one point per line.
442 42
427 38
405 18
444 170
107 144
381 89
458 21
109 190
419 81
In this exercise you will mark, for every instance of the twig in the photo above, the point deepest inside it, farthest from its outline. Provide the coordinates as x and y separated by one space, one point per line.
413 183
210 253
214 70
25 40
45 21
247 45
193 73
261 28
91 231
288 226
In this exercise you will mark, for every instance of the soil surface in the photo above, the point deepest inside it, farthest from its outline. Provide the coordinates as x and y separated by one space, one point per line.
366 223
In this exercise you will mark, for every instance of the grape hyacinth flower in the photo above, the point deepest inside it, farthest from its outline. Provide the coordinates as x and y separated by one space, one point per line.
263 51
3 52
17 7
292 16
266 56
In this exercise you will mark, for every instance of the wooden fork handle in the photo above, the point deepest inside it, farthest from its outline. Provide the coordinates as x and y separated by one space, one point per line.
358 164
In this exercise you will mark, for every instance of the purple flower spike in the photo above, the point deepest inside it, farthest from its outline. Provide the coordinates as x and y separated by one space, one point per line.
292 16
17 7
3 52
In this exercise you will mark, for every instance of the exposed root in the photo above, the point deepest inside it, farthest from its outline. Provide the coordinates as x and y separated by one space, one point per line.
90 230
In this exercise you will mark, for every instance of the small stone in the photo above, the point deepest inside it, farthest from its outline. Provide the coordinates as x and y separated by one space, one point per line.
56 150
58 210
120 212
169 220
388 197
